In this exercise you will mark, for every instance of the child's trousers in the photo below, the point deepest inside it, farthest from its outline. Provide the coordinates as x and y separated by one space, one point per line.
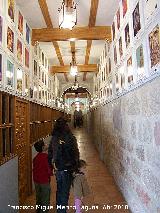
78 204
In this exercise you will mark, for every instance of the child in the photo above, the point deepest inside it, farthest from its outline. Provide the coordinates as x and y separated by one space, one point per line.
80 185
41 176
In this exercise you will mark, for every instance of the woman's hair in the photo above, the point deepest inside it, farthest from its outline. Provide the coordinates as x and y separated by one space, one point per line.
81 164
60 126
39 146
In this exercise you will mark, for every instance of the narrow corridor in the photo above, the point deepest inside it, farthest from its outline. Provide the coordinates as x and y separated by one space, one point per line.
105 196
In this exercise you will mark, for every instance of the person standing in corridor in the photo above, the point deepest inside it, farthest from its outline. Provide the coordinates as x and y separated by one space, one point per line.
63 154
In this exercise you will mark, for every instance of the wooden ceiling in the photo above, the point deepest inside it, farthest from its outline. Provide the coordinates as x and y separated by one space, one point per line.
88 33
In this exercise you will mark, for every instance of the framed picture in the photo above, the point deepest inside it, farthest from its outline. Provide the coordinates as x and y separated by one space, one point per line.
39 73
42 76
130 70
20 22
140 60
125 7
110 65
154 44
136 20
120 47
150 7
115 55
19 50
111 90
117 83
46 64
35 67
122 78
40 89
10 39
42 58
1 24
26 84
26 58
0 67
11 9
118 19
19 80
9 73
127 35
28 34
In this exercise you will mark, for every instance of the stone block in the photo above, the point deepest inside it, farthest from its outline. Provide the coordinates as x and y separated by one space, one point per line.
133 105
143 195
140 152
136 168
157 133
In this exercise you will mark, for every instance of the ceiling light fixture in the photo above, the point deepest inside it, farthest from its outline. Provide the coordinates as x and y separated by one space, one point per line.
73 65
67 14
75 85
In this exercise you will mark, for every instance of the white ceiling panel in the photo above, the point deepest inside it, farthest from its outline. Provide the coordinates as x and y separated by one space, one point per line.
32 13
96 50
53 10
83 12
50 52
106 12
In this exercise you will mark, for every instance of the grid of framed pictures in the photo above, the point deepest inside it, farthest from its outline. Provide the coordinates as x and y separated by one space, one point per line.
134 54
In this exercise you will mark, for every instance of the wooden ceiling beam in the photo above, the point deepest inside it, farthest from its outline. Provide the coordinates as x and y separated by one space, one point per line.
92 21
48 21
78 33
81 68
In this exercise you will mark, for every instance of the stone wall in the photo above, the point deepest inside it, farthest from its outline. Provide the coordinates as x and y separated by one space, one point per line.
126 132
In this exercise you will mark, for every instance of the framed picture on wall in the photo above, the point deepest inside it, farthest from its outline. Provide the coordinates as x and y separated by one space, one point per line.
136 20
115 55
127 35
20 22
1 25
26 58
130 70
42 58
117 83
154 44
35 67
118 19
140 60
11 5
120 47
125 7
19 50
110 68
28 34
111 89
26 84
0 67
19 80
10 39
9 73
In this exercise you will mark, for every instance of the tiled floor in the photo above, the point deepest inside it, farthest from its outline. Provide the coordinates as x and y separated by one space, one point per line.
105 196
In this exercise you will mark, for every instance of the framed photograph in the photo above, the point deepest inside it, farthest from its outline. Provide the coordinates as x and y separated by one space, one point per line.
26 58
26 84
19 80
10 39
1 25
115 55
110 68
42 76
40 89
127 35
11 4
46 64
0 67
20 22
35 67
120 47
111 89
150 7
42 58
140 60
130 70
122 78
39 73
9 74
118 19
19 50
113 30
154 44
28 34
125 7
136 20
35 91
117 83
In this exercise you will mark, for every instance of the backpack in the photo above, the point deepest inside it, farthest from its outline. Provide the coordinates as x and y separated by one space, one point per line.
65 156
